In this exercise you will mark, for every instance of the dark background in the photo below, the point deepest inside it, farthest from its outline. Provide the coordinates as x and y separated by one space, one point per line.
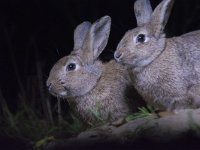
42 31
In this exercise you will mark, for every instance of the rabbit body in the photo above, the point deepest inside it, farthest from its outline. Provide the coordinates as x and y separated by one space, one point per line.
96 91
165 71
171 80
111 97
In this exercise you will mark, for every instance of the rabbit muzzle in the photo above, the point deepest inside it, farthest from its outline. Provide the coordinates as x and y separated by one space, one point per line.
56 91
121 58
118 56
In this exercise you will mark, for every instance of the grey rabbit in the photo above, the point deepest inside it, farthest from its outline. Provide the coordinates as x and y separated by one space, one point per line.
94 90
165 71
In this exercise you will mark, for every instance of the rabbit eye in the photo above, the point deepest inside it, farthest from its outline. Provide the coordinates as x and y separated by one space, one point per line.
141 38
71 66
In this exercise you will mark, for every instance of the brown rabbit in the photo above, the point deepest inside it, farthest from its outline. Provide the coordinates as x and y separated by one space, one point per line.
94 90
165 71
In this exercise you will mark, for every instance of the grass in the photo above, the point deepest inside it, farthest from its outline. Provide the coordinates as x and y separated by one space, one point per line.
33 128
29 124
142 112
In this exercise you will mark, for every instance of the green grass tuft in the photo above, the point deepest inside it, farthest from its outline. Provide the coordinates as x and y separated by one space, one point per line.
143 112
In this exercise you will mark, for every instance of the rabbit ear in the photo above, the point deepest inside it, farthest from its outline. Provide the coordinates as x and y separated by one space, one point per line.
96 39
143 11
80 33
160 16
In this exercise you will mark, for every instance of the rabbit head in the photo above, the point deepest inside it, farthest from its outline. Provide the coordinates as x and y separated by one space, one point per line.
140 46
78 73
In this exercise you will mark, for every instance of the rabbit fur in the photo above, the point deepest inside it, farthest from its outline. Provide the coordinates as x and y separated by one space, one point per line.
94 90
164 71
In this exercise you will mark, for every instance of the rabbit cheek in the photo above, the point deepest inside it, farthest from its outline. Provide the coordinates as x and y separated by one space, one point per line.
78 84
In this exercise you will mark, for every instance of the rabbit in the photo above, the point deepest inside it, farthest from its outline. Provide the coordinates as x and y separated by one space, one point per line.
95 91
164 71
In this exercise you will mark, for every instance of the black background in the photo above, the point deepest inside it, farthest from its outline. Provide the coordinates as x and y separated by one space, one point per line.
42 31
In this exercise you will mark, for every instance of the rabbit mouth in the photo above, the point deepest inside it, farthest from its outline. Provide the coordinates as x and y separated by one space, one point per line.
62 94
59 93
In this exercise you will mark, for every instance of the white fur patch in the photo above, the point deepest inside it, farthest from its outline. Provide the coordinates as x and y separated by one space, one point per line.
63 93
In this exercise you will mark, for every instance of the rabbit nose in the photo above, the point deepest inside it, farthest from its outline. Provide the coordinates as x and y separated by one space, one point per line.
118 55
49 86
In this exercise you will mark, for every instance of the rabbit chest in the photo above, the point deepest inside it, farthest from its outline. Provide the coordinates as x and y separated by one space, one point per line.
160 86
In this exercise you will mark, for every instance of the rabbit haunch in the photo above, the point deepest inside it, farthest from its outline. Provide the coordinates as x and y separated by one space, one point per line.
94 90
165 71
